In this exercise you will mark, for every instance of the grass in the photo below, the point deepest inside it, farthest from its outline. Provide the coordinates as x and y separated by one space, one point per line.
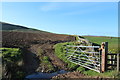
0 71
45 62
0 65
10 60
112 42
107 74
113 48
11 54
48 67
61 52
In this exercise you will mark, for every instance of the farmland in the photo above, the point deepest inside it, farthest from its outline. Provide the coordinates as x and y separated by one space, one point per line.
42 51
112 42
36 47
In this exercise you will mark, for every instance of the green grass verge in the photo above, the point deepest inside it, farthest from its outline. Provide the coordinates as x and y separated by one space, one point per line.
61 53
107 74
11 57
11 54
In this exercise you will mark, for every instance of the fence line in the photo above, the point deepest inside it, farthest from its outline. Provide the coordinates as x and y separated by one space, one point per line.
97 61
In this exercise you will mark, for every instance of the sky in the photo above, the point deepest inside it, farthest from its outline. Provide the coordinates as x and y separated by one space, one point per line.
75 18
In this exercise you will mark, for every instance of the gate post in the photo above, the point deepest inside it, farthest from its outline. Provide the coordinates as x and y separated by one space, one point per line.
118 62
104 47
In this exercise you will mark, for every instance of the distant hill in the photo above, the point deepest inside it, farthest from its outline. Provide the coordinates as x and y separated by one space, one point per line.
14 34
8 26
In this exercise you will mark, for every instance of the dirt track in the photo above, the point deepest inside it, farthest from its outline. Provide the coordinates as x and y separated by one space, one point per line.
54 59
30 42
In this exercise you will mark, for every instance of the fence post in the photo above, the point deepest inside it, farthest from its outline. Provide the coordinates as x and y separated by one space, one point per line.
118 62
104 47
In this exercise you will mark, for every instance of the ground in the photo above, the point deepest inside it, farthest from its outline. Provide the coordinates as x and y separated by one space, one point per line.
31 42
38 51
35 46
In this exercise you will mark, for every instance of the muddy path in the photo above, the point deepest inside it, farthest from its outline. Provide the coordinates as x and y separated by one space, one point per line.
30 43
49 51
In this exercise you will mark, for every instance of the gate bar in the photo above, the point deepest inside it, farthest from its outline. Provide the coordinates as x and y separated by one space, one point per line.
85 46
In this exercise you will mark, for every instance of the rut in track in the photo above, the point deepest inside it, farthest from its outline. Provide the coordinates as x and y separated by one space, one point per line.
49 51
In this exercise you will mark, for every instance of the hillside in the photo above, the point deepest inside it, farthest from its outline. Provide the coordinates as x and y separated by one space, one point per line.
27 51
12 27
7 26
16 35
37 48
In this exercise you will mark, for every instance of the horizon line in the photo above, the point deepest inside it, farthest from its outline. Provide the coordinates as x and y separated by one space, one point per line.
54 32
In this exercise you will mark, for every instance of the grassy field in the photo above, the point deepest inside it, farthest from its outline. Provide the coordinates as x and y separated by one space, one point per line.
112 42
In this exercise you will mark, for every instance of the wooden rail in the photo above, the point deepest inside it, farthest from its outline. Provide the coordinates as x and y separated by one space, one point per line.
114 57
